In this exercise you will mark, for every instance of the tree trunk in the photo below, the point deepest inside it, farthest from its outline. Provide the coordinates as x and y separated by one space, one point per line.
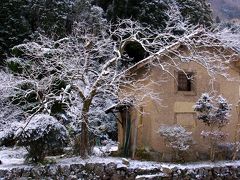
84 146
84 141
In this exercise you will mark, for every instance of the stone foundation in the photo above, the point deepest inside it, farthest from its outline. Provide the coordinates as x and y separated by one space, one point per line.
117 172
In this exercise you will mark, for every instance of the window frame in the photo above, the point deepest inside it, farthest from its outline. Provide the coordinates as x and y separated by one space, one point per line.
192 92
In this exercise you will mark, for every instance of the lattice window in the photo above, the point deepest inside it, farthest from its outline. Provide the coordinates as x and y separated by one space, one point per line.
185 81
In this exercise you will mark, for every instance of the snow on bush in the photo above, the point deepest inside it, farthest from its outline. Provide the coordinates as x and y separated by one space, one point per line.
214 112
176 136
42 134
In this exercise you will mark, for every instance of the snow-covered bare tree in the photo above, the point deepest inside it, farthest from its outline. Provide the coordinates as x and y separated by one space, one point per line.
73 72
214 112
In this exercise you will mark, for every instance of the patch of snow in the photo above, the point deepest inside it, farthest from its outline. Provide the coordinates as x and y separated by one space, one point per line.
121 166
150 176
135 164
104 150
12 157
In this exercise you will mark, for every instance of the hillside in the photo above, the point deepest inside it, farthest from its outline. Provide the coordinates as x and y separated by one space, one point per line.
226 9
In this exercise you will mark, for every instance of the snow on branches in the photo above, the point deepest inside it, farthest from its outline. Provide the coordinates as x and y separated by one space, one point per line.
70 74
176 136
42 134
213 111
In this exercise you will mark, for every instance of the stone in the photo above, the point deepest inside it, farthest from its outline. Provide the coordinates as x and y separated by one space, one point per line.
191 173
36 173
216 171
106 177
121 167
76 167
117 177
72 177
167 170
99 169
17 172
82 174
52 170
65 170
125 161
3 172
201 172
26 172
89 167
110 168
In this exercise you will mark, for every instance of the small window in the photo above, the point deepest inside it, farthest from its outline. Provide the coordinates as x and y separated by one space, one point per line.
185 81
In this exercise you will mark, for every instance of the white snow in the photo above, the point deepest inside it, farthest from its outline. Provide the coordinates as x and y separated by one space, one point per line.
104 150
12 157
150 176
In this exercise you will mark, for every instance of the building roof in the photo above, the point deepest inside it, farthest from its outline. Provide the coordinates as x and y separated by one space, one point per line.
214 41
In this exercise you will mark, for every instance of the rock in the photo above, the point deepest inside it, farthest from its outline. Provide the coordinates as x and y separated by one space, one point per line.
89 167
52 170
117 177
201 172
125 161
99 169
82 175
216 171
167 170
72 177
17 172
26 172
111 168
66 170
121 167
76 167
36 173
3 172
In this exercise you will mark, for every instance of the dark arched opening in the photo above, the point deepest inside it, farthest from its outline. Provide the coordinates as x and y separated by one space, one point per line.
135 51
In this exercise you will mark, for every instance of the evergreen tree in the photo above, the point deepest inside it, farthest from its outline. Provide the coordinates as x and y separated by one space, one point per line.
14 26
19 19
198 12
153 12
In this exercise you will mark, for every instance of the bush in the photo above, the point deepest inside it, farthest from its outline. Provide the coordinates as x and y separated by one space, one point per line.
43 134
177 138
213 112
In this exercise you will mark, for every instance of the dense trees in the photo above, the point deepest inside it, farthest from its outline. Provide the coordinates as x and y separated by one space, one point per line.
154 12
198 12
19 19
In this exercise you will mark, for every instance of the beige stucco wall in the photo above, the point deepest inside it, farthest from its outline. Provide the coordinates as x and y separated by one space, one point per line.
177 107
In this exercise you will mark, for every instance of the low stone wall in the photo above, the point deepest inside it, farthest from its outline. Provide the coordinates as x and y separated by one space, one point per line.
116 172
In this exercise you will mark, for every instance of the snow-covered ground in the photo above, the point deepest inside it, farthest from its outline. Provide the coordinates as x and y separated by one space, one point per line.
12 157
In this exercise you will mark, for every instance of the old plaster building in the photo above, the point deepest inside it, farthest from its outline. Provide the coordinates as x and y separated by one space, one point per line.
178 95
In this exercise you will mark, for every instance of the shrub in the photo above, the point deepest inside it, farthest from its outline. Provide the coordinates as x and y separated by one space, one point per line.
213 112
41 135
177 138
